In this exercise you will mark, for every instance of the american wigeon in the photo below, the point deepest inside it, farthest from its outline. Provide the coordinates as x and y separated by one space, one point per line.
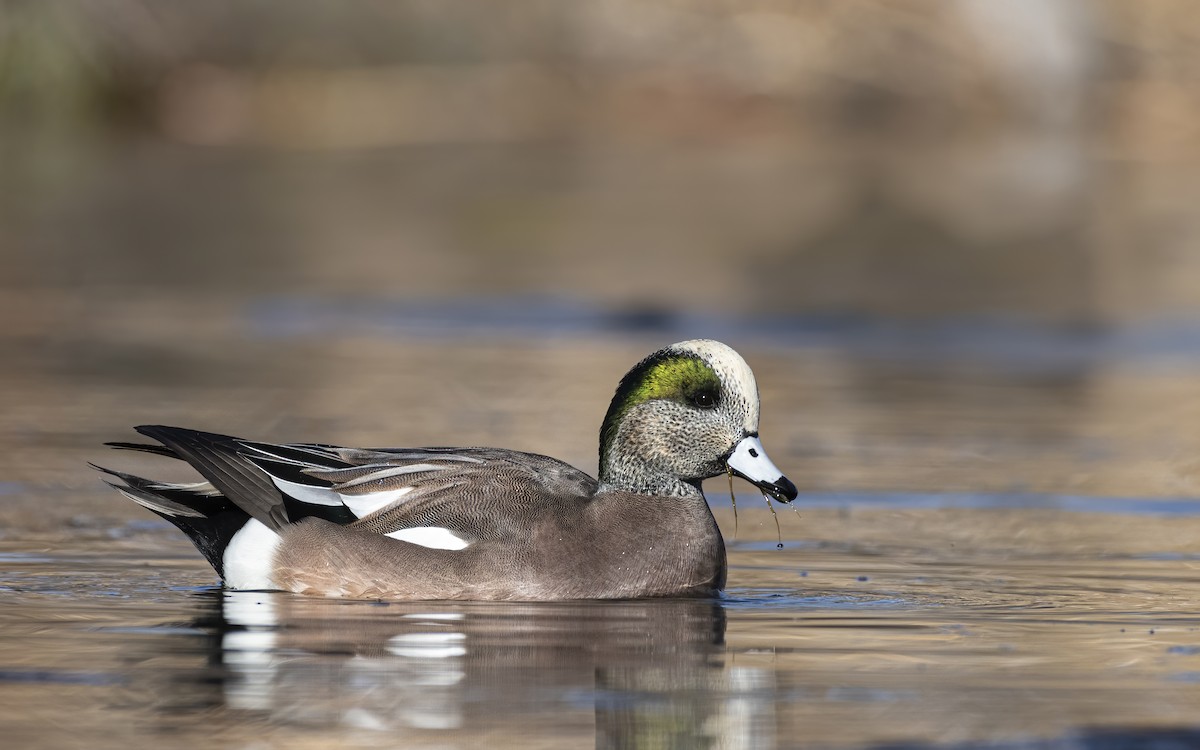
482 523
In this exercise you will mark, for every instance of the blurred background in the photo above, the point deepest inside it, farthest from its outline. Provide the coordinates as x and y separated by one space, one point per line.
956 240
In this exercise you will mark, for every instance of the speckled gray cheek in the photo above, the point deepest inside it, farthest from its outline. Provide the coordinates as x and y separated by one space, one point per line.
665 447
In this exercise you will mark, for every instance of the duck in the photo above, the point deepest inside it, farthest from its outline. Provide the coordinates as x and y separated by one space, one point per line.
476 523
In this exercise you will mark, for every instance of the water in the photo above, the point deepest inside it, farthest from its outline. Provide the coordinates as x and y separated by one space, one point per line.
821 644
982 556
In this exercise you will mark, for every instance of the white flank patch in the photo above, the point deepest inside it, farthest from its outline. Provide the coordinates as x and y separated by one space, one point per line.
306 493
365 505
433 537
250 558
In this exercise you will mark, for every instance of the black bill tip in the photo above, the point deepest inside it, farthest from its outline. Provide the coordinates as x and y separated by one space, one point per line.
781 489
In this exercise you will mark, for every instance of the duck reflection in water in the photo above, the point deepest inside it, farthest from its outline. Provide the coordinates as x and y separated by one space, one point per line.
616 674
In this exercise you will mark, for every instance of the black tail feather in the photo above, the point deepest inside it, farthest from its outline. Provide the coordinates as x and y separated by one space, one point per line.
218 460
161 505
307 454
287 471
213 533
160 450
237 490
209 521
192 498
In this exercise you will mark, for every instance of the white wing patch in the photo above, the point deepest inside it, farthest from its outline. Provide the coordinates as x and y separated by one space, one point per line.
360 504
433 537
307 493
390 471
365 505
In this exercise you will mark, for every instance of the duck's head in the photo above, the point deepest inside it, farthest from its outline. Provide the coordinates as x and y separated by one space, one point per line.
686 413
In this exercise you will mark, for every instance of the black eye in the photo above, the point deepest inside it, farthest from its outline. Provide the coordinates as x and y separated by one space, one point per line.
704 399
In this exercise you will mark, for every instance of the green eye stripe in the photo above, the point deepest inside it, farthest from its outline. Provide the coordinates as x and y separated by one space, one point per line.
679 378
674 376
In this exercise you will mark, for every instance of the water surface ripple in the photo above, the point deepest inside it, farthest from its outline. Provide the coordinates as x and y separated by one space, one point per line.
997 543
813 645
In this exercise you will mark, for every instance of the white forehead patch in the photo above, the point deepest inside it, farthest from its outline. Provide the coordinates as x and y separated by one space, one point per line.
733 371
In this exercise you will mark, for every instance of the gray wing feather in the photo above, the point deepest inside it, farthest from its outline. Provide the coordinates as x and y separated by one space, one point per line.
482 493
